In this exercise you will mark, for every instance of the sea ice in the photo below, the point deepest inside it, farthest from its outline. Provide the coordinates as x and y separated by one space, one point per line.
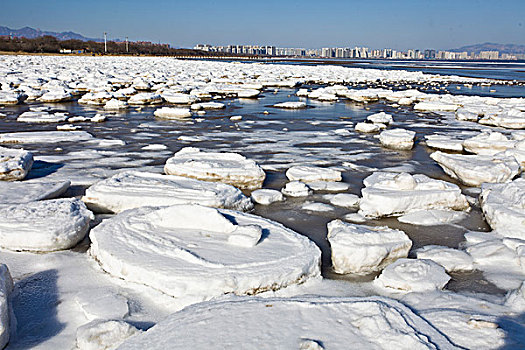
445 143
44 225
310 174
104 334
328 186
291 105
272 323
172 113
115 104
363 249
144 98
41 117
345 200
25 192
193 252
266 196
451 259
14 164
380 117
296 189
473 170
230 168
394 194
432 217
435 106
397 139
367 127
132 189
413 275
44 136
488 143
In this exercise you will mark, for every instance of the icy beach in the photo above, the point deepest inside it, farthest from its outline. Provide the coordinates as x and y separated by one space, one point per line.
153 203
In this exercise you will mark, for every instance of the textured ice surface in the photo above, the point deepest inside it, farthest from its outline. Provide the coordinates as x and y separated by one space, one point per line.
311 174
132 189
397 139
432 217
14 163
451 259
186 251
104 334
296 189
24 192
266 196
363 249
44 136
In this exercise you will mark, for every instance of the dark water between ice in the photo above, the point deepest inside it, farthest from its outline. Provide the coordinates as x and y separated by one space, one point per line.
278 140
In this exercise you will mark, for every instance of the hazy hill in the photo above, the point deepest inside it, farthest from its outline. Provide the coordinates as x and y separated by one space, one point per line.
502 48
31 33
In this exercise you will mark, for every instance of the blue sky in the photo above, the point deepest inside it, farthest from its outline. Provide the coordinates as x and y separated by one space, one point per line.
400 24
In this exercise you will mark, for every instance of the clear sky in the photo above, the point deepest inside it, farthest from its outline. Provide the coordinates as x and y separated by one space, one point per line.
401 24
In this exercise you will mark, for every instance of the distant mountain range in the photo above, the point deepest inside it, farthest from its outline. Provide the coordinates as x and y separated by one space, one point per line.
502 48
31 33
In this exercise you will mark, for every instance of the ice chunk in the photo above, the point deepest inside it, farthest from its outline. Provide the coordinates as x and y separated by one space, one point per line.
432 217
380 117
435 106
178 97
367 127
267 196
363 249
45 225
345 200
230 168
488 143
208 105
473 170
55 96
329 186
6 287
390 194
413 275
145 98
272 323
296 189
172 113
320 207
24 192
451 259
102 304
291 105
41 117
185 251
397 139
104 334
14 164
44 136
443 142
310 173
115 104
133 189
9 98
504 207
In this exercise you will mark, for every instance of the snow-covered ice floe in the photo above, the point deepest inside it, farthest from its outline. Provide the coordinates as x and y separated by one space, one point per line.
413 275
361 249
104 334
293 323
368 127
443 142
488 143
230 168
291 105
451 259
44 225
432 217
172 113
196 252
380 117
311 173
266 196
25 192
473 170
504 207
6 287
296 189
44 136
397 139
395 194
14 164
132 189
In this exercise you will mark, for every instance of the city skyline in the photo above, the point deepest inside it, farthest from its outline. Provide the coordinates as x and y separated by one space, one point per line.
399 25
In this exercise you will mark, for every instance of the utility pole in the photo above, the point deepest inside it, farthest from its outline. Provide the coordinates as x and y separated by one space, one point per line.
127 47
105 43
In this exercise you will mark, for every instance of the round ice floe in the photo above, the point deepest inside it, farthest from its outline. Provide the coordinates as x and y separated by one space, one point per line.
116 104
293 323
363 249
103 334
488 143
473 170
178 97
291 105
9 98
54 96
397 139
230 168
296 189
451 259
133 189
380 117
44 226
25 192
367 127
145 98
432 217
172 113
346 200
41 117
390 194
317 207
504 207
6 287
14 164
311 173
266 196
329 186
102 304
44 136
198 252
413 275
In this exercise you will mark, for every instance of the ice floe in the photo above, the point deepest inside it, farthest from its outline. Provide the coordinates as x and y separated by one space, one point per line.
25 192
195 252
104 334
395 194
397 139
44 225
44 136
451 259
14 164
296 189
363 249
266 196
380 117
310 174
291 105
128 190
230 168
346 200
432 217
172 113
